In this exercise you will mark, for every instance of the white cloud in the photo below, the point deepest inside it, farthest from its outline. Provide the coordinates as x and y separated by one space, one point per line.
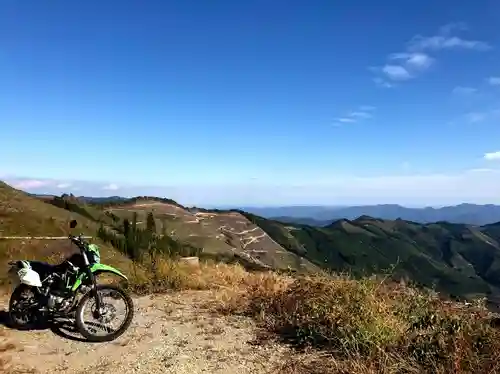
396 72
346 120
492 156
494 81
63 185
30 183
448 28
482 170
445 40
475 117
111 187
460 90
360 115
363 112
439 42
415 58
382 83
417 61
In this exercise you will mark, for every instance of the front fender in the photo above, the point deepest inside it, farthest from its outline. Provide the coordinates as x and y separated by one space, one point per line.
98 269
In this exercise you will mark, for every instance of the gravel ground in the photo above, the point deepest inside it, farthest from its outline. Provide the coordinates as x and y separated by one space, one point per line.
169 334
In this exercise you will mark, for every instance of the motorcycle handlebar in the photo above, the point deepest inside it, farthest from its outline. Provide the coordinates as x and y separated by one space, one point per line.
77 240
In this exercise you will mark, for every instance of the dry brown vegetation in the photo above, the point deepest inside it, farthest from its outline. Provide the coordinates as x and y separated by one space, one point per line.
352 326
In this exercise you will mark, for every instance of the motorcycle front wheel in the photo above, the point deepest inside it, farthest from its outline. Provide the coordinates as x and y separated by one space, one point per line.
87 311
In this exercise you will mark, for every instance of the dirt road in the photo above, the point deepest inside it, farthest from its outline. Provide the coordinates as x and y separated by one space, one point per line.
169 334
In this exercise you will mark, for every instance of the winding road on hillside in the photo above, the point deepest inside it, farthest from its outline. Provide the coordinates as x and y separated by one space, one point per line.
171 333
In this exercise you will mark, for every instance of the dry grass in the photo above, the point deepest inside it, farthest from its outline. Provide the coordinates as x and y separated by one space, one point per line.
367 326
168 275
354 326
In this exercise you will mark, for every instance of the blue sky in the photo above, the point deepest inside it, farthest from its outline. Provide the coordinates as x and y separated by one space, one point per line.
253 102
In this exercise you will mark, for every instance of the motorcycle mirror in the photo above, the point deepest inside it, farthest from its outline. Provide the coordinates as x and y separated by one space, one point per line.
73 223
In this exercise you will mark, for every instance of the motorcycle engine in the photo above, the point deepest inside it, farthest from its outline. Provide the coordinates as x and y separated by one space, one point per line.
53 301
57 299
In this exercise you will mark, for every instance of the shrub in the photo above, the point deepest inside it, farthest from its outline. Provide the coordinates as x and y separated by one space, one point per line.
380 327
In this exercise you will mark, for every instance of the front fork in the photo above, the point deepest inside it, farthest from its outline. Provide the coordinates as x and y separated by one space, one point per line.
94 293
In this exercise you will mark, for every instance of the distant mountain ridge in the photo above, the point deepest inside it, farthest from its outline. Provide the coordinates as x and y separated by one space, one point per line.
471 214
317 215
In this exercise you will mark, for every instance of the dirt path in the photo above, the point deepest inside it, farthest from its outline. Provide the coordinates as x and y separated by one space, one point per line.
169 334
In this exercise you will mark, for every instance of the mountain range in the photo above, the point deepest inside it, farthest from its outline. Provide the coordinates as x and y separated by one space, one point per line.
317 215
471 214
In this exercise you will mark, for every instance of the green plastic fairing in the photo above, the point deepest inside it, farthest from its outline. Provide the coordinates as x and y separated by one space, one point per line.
97 268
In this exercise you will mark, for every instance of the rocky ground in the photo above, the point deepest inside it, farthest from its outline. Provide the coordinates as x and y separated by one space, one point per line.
170 334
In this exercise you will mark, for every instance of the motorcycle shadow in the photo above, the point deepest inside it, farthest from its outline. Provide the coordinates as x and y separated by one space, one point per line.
63 327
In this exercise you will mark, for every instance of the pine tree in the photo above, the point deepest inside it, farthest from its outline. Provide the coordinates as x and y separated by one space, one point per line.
151 224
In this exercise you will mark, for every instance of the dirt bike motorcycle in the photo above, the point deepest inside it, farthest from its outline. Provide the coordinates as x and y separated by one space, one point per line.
45 292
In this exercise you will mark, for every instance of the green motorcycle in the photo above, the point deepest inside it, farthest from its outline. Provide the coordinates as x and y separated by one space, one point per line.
46 292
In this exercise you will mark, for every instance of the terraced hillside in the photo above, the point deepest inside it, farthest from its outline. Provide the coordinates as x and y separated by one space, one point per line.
221 234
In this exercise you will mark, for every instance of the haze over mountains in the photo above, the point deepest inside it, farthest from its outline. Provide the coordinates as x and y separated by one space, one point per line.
471 214
317 215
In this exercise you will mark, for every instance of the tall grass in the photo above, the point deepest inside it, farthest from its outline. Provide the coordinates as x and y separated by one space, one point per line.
354 326
366 326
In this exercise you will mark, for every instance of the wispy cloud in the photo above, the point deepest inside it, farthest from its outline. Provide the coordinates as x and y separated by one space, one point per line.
63 185
396 72
445 39
481 116
439 42
482 170
382 82
111 187
419 61
361 113
345 120
492 156
30 183
474 117
415 59
461 90
494 81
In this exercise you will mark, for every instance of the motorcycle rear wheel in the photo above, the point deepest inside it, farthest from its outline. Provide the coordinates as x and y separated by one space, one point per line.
26 316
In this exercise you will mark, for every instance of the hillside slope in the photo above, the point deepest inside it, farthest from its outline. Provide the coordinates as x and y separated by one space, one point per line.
457 259
222 234
25 216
